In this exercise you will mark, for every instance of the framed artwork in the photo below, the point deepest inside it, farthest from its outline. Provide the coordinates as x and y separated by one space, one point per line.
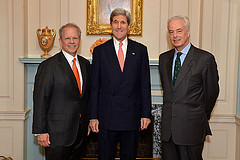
98 16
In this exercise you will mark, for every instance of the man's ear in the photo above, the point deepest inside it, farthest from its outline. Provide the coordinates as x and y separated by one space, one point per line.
60 41
188 33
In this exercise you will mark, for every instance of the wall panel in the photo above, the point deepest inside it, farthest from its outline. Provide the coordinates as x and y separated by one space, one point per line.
179 7
163 18
221 145
219 28
48 12
221 25
7 137
33 13
5 45
12 46
64 12
195 10
219 140
11 138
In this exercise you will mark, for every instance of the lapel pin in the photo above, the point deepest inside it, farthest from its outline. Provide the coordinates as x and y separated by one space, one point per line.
133 53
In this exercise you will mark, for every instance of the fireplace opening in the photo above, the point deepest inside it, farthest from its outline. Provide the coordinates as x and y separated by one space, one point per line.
144 149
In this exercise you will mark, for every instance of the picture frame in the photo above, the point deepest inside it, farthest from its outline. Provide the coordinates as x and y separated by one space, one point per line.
98 23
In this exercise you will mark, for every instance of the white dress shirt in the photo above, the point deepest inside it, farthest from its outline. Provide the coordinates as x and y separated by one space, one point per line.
70 61
124 46
182 57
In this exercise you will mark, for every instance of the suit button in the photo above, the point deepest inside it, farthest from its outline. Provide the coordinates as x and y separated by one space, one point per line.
113 95
173 103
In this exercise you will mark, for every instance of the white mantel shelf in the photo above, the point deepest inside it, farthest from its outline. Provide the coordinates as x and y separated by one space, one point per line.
27 60
31 60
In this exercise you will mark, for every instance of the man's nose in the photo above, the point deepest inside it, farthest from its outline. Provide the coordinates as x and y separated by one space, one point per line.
174 34
119 25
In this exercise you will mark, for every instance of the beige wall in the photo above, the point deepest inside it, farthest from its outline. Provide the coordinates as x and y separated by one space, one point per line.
12 110
215 26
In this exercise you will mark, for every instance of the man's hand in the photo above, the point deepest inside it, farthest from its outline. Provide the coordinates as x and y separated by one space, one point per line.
89 130
43 140
144 123
94 125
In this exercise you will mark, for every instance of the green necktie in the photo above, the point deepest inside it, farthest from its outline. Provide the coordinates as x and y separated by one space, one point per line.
177 67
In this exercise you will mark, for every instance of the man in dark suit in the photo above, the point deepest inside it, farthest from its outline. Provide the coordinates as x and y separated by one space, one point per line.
120 99
60 98
189 79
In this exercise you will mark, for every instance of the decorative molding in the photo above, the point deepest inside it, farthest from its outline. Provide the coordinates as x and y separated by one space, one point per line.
153 62
14 115
31 60
238 88
237 118
223 118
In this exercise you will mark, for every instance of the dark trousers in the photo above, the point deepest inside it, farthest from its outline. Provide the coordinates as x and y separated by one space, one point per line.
172 151
107 140
65 152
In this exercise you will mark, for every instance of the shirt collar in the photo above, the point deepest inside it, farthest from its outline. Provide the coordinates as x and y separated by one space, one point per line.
68 56
185 50
116 42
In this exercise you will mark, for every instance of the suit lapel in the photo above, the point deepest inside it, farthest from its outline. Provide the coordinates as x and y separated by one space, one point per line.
112 56
169 66
187 64
130 57
84 72
65 66
68 71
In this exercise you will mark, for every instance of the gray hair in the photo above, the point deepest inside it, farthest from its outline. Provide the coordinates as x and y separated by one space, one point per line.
120 11
69 25
185 18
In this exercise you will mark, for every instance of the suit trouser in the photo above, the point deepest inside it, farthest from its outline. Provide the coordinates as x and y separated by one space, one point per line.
172 151
65 152
107 140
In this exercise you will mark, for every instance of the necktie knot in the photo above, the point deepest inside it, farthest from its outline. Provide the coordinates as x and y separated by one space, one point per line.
179 54
120 44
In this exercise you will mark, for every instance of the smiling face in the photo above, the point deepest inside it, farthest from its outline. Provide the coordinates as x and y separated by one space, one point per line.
178 34
70 40
120 27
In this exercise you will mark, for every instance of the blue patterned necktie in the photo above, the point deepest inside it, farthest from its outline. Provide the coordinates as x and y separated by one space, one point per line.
177 67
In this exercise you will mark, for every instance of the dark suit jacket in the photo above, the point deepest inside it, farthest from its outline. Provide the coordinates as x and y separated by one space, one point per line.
119 99
57 103
188 105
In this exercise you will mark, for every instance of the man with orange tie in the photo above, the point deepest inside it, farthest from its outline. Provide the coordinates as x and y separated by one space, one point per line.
120 94
60 99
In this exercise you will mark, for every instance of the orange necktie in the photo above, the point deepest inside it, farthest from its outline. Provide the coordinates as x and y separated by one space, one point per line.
76 73
121 56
